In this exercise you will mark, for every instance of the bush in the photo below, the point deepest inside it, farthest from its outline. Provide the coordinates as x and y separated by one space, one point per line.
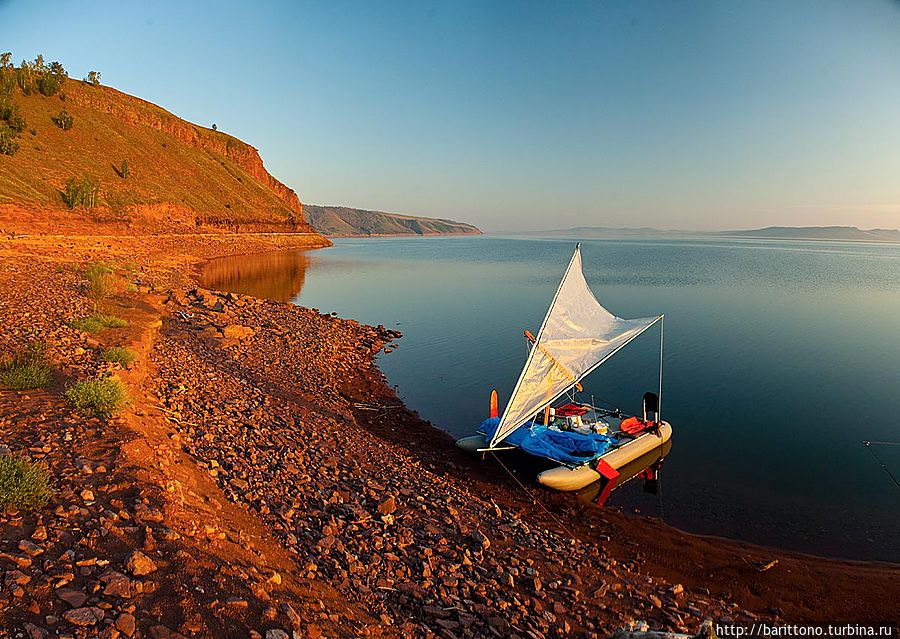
8 143
64 120
29 369
11 126
119 355
98 397
97 322
101 282
23 485
124 171
82 192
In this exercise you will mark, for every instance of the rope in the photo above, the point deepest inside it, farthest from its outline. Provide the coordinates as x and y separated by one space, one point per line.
659 396
534 499
868 445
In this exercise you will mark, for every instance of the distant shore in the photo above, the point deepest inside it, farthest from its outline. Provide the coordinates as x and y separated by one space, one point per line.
267 442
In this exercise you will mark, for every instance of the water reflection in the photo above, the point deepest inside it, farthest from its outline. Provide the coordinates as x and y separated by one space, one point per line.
275 275
647 467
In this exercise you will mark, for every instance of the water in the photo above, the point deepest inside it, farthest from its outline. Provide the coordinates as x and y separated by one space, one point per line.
781 358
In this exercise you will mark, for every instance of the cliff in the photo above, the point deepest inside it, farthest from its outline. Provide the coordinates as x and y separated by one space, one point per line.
180 177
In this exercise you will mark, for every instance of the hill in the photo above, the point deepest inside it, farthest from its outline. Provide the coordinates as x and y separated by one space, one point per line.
843 233
140 166
835 233
345 221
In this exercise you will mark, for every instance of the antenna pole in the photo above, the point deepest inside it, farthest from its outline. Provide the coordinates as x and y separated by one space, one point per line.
662 320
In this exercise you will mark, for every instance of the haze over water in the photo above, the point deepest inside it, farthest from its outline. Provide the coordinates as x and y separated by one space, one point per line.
781 357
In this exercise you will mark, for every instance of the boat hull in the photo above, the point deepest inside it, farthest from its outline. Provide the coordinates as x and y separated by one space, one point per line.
472 444
568 479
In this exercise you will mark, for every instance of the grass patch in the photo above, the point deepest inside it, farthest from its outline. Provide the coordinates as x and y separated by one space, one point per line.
119 355
29 369
23 485
101 282
97 322
99 397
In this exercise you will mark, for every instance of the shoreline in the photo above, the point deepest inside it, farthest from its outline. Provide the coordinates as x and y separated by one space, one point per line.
430 528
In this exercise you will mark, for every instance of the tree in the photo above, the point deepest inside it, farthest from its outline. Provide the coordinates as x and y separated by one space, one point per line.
81 193
124 171
215 128
93 78
5 60
64 121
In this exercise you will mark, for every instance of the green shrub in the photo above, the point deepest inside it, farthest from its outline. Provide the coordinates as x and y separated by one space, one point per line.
101 282
23 485
97 322
99 397
82 192
64 120
119 355
8 143
124 170
29 369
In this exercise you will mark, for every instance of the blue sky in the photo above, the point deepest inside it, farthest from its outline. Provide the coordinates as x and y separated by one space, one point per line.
525 115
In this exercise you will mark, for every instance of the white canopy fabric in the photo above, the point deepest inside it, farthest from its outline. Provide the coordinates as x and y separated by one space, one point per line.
577 335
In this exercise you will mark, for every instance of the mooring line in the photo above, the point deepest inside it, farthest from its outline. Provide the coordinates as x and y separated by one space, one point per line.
527 492
868 445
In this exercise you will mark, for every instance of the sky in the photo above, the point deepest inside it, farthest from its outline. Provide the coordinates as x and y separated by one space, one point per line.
524 115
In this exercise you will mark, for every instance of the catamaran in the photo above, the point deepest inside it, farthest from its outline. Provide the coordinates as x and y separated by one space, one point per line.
542 417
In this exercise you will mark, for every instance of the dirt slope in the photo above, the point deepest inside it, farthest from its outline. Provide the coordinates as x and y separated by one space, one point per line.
180 176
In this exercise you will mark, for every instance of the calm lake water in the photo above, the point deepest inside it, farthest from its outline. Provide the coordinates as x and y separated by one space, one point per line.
781 358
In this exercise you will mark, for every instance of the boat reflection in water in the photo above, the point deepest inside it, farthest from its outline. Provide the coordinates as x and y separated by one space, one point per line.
645 468
274 275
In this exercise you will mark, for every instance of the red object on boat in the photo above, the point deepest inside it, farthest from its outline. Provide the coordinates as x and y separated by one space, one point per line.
495 412
611 475
571 410
633 426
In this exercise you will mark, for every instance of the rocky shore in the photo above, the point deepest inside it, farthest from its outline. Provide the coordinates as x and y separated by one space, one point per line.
265 481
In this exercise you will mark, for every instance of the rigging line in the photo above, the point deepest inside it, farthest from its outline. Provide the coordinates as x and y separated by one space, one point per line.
867 442
881 463
662 322
527 492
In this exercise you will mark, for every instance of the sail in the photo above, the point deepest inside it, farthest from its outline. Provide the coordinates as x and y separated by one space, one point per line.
577 335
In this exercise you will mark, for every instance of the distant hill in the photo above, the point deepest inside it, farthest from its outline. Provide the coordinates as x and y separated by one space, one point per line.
839 233
844 233
345 221
177 176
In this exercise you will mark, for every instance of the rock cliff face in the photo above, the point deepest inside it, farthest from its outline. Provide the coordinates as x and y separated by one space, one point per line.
140 112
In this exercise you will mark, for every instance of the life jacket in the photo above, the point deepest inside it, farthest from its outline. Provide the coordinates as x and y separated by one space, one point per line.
633 426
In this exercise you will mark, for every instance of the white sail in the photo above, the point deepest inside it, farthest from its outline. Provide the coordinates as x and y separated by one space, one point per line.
577 335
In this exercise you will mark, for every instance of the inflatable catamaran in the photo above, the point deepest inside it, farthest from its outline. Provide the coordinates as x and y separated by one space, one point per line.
589 443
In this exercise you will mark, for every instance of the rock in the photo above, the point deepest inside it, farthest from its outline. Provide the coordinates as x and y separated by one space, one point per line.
125 623
117 584
275 633
236 331
74 598
139 564
387 507
30 548
84 616
161 632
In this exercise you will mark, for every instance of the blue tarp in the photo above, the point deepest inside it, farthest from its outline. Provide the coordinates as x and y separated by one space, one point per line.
563 446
